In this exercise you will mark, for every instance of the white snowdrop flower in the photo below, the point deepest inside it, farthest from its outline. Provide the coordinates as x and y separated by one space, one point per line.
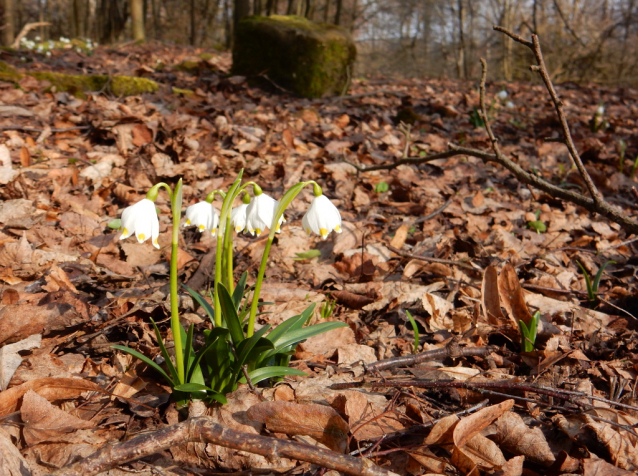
600 110
322 217
141 219
39 49
47 54
260 214
509 105
37 38
202 215
238 217
502 94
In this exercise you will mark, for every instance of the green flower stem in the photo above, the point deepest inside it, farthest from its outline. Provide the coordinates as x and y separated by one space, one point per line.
257 291
176 327
285 201
219 253
228 252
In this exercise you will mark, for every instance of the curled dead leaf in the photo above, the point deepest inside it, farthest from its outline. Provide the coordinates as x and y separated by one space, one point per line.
320 422
490 298
512 296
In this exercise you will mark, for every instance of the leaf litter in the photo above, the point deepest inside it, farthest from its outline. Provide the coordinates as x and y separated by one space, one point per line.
494 253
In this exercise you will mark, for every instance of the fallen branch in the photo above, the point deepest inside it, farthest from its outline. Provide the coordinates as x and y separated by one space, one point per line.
427 259
595 204
25 31
452 351
203 429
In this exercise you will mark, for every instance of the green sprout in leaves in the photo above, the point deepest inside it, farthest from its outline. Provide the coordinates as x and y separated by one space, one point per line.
416 331
592 287
528 334
382 187
327 308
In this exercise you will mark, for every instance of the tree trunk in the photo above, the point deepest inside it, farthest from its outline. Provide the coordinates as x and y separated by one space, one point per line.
460 60
242 9
137 20
8 33
338 12
193 38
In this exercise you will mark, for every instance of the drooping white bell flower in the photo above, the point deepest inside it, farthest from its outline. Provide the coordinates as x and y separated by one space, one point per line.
238 217
260 214
322 217
202 215
502 94
141 219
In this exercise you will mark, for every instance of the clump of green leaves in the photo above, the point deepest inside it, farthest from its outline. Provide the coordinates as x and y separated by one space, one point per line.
622 145
592 286
475 119
537 224
381 187
327 308
229 356
528 332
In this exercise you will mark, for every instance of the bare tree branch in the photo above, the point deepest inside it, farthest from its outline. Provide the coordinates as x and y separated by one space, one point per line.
595 204
205 430
25 31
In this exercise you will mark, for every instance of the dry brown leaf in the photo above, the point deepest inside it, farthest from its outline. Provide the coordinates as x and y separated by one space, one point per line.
512 467
428 461
621 445
442 432
36 319
142 135
25 157
320 422
366 416
128 386
44 422
600 467
400 236
10 360
513 435
490 299
512 296
49 388
352 300
477 422
477 453
12 463
57 279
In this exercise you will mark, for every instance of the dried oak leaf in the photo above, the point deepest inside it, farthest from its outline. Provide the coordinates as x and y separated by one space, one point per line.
512 296
490 298
49 388
352 300
45 422
11 461
471 449
513 435
320 422
600 467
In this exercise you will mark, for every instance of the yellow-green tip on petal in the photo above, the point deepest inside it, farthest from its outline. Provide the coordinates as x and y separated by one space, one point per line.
142 237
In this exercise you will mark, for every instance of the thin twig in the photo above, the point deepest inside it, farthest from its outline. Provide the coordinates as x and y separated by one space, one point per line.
428 259
453 351
407 160
441 209
203 429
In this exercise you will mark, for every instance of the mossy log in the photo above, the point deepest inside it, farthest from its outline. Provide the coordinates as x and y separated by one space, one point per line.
310 59
79 85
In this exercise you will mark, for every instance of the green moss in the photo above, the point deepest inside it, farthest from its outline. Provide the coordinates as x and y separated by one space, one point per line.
9 73
132 86
311 59
72 83
183 92
187 66
206 56
78 85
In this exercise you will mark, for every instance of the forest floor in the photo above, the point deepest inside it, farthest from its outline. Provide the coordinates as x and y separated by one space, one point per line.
428 238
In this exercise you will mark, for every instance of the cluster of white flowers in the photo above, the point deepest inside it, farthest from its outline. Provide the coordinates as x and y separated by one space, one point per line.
26 43
141 219
45 47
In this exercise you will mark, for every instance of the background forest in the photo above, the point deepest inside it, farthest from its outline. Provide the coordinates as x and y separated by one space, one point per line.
585 40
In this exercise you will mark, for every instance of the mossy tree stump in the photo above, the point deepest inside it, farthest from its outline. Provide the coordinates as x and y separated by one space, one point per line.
310 59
